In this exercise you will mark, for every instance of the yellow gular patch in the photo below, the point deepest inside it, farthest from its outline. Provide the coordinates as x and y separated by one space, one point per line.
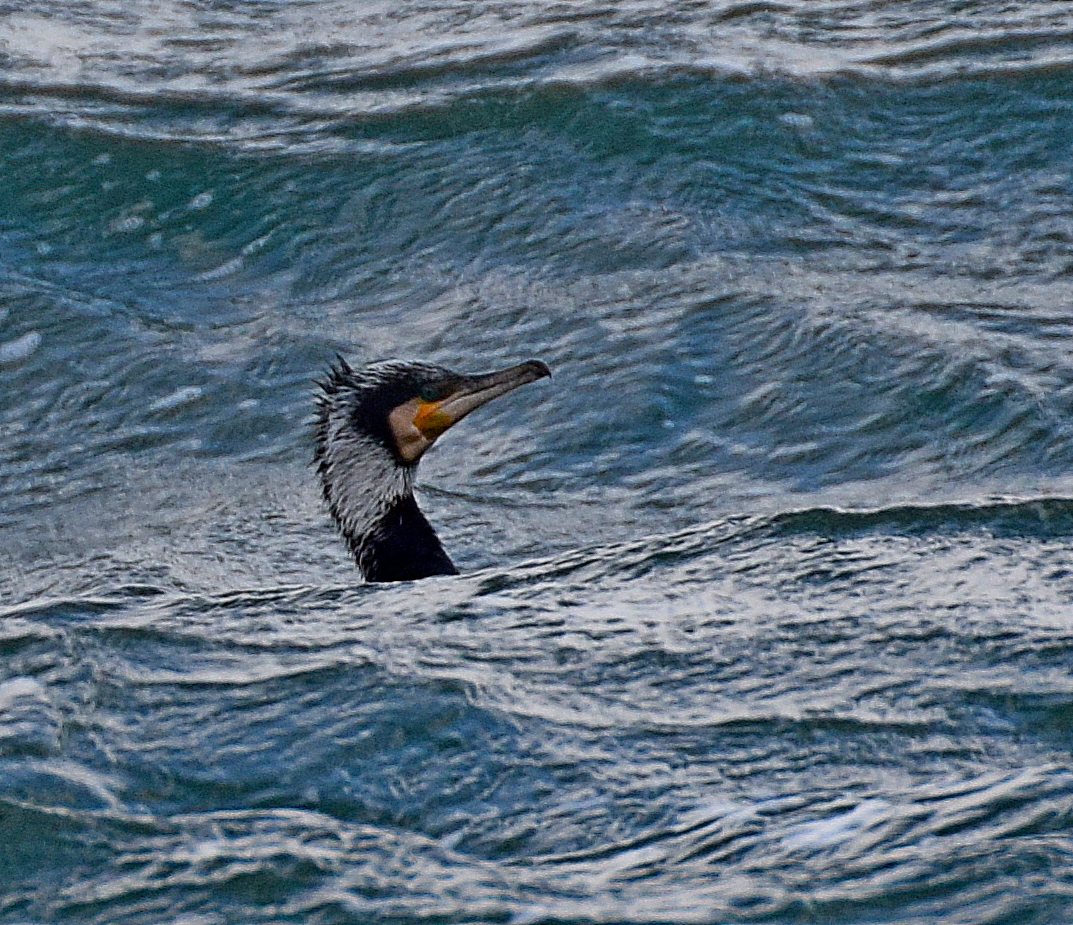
431 419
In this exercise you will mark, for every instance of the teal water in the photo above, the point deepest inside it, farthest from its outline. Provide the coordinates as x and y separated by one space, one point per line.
766 612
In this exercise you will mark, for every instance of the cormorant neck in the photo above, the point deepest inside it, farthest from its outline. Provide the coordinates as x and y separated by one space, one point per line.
401 546
370 494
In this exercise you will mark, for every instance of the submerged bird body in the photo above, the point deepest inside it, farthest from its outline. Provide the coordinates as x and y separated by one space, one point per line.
373 425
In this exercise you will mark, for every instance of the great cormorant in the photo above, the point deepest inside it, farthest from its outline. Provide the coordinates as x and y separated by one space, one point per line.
373 425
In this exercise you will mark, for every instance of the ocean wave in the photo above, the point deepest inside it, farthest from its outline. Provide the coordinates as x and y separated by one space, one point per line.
253 80
305 865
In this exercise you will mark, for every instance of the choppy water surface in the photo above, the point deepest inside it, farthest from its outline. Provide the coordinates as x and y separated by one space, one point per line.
766 604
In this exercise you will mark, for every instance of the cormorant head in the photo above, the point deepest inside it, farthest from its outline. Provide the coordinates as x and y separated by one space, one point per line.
405 406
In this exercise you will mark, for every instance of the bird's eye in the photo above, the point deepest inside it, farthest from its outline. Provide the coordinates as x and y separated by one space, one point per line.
430 391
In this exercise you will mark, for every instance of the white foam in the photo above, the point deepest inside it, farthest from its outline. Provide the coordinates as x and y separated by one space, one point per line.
15 351
184 396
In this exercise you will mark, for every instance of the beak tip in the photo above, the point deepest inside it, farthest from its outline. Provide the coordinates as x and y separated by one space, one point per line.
539 369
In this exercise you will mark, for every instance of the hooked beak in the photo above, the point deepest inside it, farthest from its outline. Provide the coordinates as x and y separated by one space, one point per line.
417 423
